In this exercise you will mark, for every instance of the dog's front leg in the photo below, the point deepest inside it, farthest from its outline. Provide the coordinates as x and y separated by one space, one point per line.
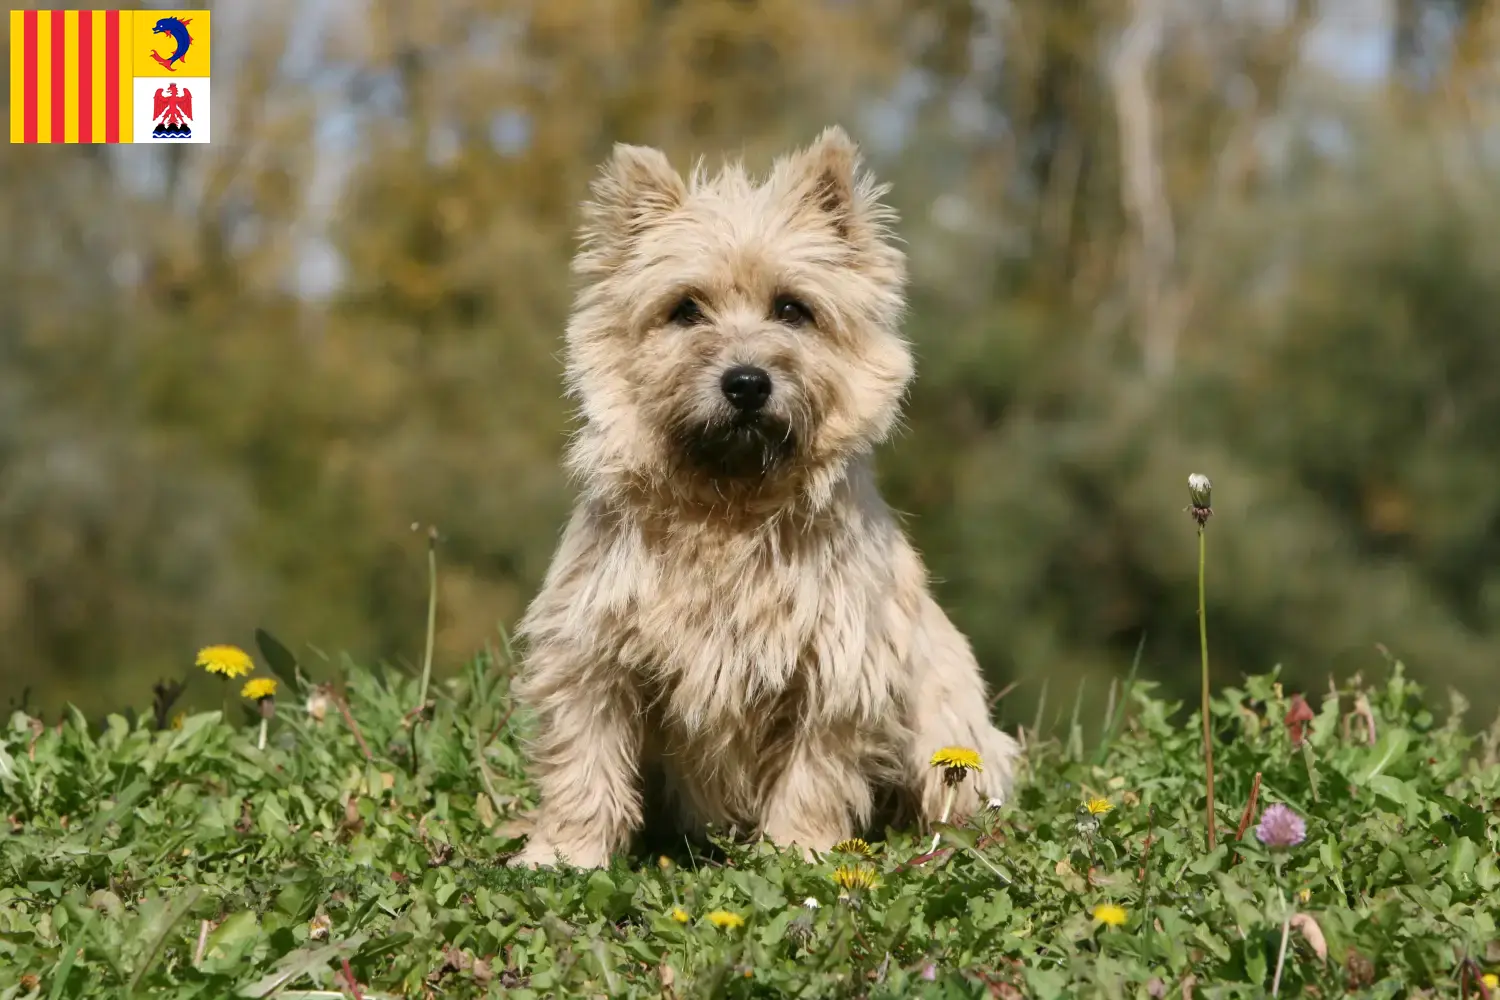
586 760
819 795
950 707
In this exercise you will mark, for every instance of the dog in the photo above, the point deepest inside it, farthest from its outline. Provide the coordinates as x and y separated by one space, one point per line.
734 625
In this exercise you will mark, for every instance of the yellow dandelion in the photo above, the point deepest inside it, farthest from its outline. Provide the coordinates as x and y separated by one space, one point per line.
1097 806
679 914
1491 980
958 758
850 877
1109 913
258 688
178 720
725 919
854 845
231 661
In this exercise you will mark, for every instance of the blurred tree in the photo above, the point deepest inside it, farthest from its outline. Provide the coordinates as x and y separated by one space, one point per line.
1147 238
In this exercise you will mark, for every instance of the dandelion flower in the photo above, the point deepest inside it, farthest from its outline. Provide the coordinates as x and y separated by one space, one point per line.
1109 914
679 914
811 903
1280 826
1491 980
956 762
725 919
854 845
1097 806
178 720
852 877
229 661
258 688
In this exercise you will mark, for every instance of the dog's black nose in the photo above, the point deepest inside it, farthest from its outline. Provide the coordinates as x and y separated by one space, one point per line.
747 388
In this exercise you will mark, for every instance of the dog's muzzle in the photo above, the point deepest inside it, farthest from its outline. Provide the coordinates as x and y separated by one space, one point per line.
746 445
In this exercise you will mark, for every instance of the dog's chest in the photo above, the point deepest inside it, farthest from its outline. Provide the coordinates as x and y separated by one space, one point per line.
723 627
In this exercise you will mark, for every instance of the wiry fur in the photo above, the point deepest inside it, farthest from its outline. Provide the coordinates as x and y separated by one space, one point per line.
759 639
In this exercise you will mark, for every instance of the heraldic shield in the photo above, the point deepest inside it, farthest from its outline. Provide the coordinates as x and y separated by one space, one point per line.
168 110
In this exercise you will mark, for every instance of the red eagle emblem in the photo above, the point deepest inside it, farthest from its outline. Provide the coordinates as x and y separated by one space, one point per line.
172 111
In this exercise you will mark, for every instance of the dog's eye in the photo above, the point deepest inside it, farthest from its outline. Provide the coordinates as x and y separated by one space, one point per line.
791 312
686 312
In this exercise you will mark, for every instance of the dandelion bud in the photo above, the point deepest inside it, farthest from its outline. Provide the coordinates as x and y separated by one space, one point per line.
1201 490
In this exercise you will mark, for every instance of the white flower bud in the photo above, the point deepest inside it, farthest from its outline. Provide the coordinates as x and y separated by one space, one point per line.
1200 490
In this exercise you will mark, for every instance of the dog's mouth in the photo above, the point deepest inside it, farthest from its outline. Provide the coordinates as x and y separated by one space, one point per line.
746 446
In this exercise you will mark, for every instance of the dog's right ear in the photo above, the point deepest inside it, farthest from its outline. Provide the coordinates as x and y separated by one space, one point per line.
636 187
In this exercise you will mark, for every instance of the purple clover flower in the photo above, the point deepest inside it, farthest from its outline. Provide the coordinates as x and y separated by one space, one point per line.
1280 826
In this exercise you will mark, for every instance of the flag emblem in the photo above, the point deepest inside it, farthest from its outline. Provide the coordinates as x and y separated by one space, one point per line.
109 76
173 113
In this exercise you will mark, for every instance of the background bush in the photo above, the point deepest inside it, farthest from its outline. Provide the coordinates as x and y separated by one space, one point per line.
1147 239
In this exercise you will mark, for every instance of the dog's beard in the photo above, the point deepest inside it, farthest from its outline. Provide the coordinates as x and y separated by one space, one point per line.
741 447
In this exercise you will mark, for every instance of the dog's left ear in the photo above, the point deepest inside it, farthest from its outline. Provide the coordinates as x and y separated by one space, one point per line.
826 175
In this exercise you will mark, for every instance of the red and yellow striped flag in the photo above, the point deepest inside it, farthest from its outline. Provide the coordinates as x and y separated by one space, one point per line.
73 74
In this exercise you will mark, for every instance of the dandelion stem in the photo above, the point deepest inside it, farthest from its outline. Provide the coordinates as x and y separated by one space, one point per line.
1286 926
260 744
1208 743
947 809
431 616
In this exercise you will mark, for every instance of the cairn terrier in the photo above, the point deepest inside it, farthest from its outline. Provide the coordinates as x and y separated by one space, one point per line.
734 629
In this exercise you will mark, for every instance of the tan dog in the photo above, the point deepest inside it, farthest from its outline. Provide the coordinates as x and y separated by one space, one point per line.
733 615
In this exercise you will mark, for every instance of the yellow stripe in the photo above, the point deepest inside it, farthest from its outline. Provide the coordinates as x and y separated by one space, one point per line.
101 42
70 76
17 77
44 76
127 77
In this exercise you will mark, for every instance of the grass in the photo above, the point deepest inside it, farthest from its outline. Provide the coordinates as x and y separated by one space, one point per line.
184 862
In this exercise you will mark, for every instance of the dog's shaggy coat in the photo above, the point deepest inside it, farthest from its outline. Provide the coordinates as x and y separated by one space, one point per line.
733 616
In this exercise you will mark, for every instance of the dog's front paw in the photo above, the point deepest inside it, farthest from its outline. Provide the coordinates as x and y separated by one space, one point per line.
539 852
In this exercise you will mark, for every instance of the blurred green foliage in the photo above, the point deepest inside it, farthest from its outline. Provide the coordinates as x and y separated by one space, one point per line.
1145 242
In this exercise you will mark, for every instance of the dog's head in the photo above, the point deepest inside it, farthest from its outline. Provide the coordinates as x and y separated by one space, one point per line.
734 336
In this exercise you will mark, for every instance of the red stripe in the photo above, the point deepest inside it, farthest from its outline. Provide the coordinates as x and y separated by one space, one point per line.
85 76
111 76
29 20
59 87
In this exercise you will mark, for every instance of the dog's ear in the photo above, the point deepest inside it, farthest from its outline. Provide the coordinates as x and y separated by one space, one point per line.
635 187
827 176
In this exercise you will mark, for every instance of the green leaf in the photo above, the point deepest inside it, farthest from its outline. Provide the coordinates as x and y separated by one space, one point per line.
1386 752
298 964
280 659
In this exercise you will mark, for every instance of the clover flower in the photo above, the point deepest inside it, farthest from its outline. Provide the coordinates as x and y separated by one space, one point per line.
1280 827
725 919
1109 914
227 661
